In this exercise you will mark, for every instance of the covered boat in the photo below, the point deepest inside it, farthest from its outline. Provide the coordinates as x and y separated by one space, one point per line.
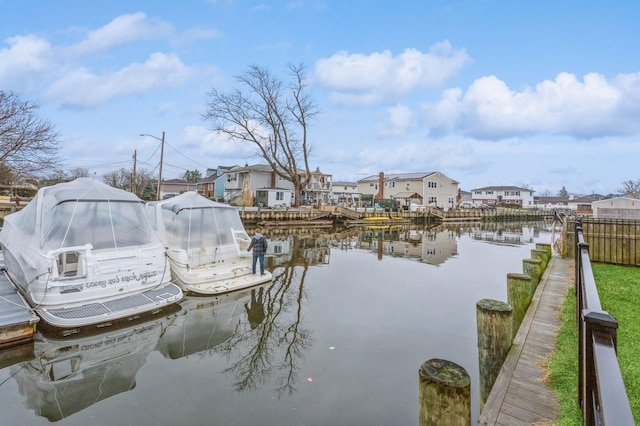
84 253
206 244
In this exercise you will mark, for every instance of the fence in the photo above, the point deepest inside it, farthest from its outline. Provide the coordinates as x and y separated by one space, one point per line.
614 241
601 392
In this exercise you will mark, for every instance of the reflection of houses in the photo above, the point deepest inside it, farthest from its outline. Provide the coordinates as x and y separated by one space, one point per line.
509 196
298 250
425 188
433 246
617 208
505 235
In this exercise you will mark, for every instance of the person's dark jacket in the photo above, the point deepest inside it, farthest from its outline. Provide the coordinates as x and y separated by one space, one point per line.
259 245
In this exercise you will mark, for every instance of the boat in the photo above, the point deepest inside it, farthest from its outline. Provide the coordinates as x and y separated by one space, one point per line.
84 253
206 244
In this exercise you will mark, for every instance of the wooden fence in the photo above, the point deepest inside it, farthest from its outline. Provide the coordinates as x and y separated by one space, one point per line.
601 391
614 241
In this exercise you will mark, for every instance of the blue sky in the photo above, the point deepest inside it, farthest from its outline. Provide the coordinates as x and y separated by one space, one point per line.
543 94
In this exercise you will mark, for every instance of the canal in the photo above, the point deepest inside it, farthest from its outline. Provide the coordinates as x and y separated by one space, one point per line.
335 339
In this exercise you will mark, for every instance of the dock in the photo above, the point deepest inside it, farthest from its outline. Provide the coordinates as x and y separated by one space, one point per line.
17 319
520 394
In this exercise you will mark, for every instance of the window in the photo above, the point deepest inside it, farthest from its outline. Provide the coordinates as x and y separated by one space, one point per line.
407 184
371 184
489 192
433 200
279 196
432 184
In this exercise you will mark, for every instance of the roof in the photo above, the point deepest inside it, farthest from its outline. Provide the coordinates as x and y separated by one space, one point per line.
503 188
253 168
407 195
398 176
342 183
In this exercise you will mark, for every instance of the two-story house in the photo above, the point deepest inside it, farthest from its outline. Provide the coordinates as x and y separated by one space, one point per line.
242 182
509 196
318 189
213 185
424 188
172 187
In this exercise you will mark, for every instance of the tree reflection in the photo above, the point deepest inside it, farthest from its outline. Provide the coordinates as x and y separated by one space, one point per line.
274 345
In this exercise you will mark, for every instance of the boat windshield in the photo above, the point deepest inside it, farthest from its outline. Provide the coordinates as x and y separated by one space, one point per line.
105 224
191 228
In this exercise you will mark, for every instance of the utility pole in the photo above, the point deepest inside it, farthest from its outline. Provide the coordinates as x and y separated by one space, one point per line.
160 172
133 179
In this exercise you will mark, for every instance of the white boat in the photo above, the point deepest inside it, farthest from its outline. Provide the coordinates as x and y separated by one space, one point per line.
84 253
206 244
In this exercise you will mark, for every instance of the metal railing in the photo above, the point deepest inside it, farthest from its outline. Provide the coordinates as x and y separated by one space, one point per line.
601 392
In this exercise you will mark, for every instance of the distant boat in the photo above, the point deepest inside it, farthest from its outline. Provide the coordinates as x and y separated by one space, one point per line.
206 244
84 253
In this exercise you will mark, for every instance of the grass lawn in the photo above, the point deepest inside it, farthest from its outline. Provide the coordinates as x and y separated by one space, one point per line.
619 289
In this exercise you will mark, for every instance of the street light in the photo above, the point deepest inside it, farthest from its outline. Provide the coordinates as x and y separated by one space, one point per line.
161 155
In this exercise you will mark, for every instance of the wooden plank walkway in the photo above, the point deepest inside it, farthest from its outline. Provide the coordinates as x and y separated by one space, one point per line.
520 395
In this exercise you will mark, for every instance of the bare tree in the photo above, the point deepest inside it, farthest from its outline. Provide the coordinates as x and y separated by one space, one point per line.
192 175
271 116
28 144
123 179
631 188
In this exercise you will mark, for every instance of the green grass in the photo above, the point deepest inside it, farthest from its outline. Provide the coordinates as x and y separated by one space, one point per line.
619 290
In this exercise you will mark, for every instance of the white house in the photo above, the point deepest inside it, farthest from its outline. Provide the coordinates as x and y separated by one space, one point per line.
273 197
344 193
508 196
616 208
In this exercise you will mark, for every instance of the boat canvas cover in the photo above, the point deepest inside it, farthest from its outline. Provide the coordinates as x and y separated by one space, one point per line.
74 214
195 223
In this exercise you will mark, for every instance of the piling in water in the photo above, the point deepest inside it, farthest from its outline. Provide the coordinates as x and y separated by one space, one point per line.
444 392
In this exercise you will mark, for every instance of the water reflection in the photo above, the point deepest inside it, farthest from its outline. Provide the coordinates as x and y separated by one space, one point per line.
68 374
260 338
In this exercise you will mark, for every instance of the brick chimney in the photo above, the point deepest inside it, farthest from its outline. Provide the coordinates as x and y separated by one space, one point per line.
380 194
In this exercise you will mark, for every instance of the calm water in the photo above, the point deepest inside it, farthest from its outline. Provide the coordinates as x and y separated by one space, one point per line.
336 339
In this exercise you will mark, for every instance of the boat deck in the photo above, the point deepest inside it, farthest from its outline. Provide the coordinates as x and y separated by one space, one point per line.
17 319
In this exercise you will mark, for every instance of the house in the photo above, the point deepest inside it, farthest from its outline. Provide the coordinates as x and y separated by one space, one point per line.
508 196
345 193
273 197
173 187
317 189
617 208
582 204
544 202
213 185
242 182
424 188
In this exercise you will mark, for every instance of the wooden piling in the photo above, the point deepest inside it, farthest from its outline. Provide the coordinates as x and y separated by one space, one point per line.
546 247
542 255
519 294
444 392
533 268
495 335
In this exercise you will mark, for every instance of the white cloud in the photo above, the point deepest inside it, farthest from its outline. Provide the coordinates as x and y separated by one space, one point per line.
593 107
25 54
368 79
83 88
210 143
121 30
400 119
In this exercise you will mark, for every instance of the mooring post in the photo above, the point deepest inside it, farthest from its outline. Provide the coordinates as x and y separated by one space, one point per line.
495 323
533 268
444 392
519 294
546 247
542 255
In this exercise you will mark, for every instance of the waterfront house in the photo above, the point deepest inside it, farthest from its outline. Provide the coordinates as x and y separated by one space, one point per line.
242 182
343 192
172 187
318 188
425 188
616 208
507 196
213 185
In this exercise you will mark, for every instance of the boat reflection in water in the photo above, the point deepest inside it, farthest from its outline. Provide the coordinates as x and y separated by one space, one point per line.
69 374
207 321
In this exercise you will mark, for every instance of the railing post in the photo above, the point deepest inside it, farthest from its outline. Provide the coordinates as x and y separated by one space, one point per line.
605 326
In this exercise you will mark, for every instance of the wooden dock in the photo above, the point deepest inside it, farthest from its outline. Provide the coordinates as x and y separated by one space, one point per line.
520 395
17 319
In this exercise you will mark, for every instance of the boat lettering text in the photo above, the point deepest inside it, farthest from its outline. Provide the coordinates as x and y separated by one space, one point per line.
142 277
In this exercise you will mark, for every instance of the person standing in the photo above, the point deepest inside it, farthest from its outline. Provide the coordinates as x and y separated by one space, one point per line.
259 245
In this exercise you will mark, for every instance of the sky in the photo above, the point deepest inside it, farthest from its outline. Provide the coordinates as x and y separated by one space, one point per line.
540 94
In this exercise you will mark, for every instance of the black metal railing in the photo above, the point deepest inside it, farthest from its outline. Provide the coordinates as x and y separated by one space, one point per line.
601 391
